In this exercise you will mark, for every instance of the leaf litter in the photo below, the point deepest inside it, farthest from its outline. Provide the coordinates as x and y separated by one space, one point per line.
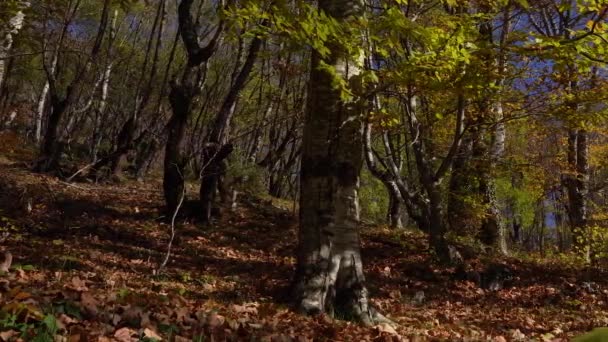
85 256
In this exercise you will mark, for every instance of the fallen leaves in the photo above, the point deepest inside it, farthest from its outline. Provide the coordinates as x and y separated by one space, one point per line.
229 282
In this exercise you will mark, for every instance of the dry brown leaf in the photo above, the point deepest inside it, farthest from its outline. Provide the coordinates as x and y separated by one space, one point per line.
245 309
22 295
145 321
181 314
89 303
132 313
7 335
75 338
386 328
214 320
517 335
21 275
149 333
125 335
67 320
77 284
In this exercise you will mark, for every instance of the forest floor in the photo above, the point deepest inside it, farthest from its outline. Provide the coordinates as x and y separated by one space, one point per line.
85 257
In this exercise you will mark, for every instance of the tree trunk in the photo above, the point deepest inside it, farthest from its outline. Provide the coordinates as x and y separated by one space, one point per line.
431 179
7 32
492 228
490 145
577 186
329 271
460 215
51 147
181 98
100 113
215 151
146 154
393 215
516 216
173 176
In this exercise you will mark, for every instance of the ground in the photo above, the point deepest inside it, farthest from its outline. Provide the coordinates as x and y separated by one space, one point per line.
86 260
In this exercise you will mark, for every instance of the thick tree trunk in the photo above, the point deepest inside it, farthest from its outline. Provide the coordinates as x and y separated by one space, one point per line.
51 148
329 274
173 176
393 215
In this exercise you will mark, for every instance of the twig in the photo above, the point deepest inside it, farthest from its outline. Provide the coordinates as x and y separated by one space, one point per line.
166 260
86 167
73 185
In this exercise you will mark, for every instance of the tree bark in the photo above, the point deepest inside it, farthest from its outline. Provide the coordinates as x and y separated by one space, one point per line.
578 188
215 150
7 32
42 102
492 229
329 272
100 111
181 98
393 215
173 176
51 147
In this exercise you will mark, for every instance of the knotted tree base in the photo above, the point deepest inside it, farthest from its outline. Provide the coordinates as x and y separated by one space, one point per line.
335 285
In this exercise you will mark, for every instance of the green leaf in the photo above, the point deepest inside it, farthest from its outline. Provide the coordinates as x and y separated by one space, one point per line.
597 335
51 323
523 3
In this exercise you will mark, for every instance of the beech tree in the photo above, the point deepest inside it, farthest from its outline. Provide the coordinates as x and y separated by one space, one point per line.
329 272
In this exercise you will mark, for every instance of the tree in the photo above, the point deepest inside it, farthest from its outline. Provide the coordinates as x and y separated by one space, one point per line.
9 28
329 272
51 147
475 167
574 32
217 149
182 94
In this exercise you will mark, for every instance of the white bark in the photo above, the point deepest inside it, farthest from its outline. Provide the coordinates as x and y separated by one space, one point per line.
14 24
42 100
103 102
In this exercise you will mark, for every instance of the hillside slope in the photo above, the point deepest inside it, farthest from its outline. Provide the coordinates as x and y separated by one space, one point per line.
86 258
